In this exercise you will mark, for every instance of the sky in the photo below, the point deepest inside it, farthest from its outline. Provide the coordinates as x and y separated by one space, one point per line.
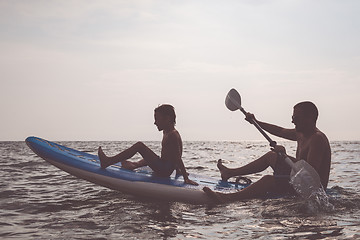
95 70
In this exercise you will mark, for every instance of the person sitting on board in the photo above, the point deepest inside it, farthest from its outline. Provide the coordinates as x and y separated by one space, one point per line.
171 152
312 146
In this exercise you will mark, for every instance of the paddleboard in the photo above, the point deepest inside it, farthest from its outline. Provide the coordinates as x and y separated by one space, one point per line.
140 182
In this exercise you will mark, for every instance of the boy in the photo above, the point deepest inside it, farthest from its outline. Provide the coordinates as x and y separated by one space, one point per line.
171 152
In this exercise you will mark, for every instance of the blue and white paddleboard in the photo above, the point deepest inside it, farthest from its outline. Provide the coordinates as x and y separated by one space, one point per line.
140 182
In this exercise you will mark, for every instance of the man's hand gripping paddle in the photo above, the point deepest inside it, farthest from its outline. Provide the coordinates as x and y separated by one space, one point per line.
304 178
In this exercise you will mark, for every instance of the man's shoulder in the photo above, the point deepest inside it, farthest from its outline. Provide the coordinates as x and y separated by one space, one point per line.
319 138
320 135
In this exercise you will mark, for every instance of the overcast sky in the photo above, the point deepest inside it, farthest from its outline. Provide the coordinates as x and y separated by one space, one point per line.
95 70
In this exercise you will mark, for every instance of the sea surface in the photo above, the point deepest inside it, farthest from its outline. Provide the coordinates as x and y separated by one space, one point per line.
39 201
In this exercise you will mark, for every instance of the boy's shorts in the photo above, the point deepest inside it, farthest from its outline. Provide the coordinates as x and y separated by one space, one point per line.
160 167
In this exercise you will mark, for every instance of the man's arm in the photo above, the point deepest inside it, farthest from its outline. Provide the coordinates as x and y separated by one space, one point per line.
316 152
289 134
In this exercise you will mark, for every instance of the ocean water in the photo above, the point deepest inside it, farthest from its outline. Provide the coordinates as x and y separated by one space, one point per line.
39 201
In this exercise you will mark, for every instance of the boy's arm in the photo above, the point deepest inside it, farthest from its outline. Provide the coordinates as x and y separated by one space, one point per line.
174 150
180 164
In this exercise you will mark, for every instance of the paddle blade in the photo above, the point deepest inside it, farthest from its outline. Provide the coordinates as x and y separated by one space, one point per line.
304 179
233 100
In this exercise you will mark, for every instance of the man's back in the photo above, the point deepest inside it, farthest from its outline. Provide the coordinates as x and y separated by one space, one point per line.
315 149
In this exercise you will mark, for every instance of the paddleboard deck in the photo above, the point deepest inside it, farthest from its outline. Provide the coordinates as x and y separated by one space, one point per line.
140 182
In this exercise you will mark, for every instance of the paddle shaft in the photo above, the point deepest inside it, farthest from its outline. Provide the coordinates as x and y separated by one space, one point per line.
272 143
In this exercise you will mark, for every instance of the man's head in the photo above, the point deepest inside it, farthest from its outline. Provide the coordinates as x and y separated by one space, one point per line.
305 116
164 115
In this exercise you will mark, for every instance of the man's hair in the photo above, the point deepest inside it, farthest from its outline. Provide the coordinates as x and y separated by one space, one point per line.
167 110
309 109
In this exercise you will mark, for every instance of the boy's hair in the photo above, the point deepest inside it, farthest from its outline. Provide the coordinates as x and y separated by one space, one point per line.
168 110
309 108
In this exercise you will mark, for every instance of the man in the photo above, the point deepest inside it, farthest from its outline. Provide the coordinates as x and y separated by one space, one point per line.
312 146
171 151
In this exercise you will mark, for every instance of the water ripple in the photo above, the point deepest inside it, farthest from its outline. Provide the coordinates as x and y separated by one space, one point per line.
38 201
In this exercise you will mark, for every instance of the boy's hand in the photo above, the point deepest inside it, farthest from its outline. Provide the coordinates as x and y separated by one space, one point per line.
188 181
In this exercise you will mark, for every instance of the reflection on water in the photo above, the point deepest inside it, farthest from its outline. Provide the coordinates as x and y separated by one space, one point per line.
38 201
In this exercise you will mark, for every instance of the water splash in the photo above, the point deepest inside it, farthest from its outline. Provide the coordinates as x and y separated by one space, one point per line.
319 202
316 200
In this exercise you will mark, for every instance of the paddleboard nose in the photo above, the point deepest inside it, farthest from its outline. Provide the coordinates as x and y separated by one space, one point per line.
32 142
29 140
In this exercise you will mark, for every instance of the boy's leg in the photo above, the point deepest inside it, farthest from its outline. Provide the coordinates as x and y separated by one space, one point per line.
138 147
133 165
269 159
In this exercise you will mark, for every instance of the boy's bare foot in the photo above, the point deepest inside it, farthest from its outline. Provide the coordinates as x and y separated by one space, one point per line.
104 160
128 165
224 171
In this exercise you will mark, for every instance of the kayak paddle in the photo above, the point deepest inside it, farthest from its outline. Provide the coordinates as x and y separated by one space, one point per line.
303 177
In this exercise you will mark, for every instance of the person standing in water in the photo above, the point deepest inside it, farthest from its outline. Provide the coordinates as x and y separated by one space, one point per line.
312 146
171 152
